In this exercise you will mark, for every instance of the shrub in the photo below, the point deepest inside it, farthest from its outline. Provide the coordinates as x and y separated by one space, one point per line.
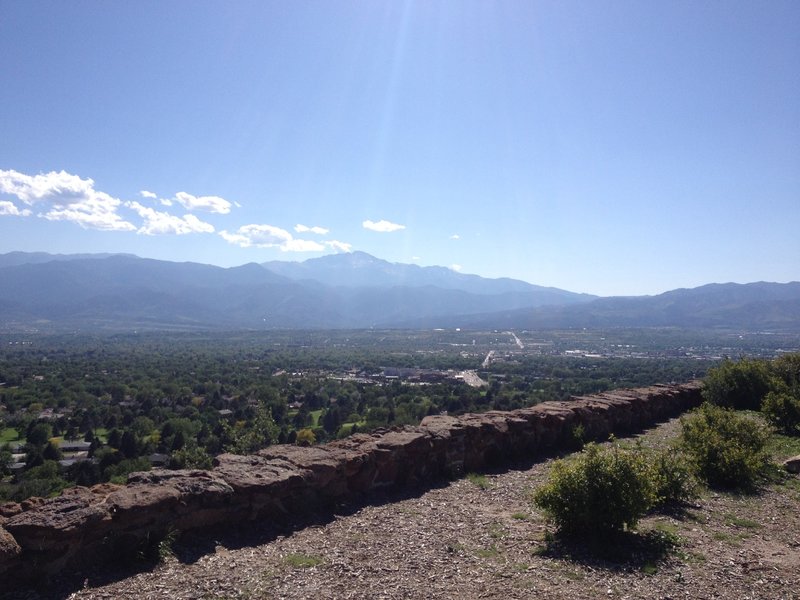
787 368
119 473
724 448
44 480
740 385
244 438
306 437
781 406
782 410
578 436
479 480
190 457
672 477
598 491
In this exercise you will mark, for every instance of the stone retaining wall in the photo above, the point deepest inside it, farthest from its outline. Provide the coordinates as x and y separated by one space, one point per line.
86 525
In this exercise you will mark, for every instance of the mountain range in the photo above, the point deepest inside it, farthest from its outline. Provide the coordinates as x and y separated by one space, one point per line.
116 292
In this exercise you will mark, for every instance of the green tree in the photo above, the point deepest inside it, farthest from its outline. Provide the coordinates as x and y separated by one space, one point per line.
34 457
305 437
39 434
787 368
115 438
128 445
259 434
52 452
178 440
302 418
5 459
44 480
332 419
118 472
741 385
142 427
781 406
84 472
192 457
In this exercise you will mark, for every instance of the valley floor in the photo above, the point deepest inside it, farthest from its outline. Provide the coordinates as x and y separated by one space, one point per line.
481 538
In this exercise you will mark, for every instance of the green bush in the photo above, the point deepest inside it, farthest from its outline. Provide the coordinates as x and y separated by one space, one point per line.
740 385
725 449
598 491
781 406
244 438
782 410
42 481
672 477
190 457
479 480
119 472
787 368
578 436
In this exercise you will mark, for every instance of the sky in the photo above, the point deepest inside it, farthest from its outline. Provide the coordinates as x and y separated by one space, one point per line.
606 147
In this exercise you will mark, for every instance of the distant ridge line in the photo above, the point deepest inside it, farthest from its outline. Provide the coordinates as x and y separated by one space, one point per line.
117 293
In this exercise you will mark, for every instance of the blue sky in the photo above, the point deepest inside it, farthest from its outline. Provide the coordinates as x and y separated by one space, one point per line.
605 147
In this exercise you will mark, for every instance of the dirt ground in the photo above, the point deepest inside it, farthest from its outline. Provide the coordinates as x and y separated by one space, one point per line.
478 537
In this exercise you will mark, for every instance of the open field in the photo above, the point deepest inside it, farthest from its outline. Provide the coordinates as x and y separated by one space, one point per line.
9 434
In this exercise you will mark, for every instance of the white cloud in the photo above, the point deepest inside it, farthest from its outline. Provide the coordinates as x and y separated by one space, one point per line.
382 226
305 229
269 236
9 208
146 194
455 236
416 258
261 236
67 198
213 204
295 245
339 246
456 267
157 222
238 239
31 189
165 202
89 215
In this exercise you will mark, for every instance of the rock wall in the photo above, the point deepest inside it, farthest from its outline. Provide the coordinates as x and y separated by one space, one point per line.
87 525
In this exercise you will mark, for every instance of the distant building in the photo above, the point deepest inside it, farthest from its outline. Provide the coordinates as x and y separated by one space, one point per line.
68 462
74 446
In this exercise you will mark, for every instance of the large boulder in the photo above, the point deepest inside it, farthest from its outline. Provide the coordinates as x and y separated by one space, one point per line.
9 551
261 485
162 500
9 509
58 531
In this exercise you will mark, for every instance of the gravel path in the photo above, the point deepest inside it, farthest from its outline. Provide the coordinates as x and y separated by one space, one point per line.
468 540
